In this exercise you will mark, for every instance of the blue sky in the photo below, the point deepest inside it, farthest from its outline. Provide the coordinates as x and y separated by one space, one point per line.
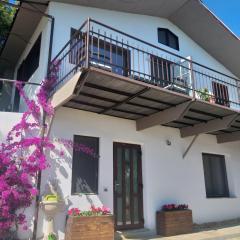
228 11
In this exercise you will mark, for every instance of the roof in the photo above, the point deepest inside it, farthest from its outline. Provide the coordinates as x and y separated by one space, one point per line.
192 16
24 25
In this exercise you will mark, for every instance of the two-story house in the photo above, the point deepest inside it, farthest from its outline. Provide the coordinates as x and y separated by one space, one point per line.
151 86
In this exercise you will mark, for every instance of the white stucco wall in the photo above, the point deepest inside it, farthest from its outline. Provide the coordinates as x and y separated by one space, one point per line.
167 177
7 121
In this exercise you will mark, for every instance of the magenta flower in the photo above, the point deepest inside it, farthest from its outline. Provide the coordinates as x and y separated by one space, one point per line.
34 192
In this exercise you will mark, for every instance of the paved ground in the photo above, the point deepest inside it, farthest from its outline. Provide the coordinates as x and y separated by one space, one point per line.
229 230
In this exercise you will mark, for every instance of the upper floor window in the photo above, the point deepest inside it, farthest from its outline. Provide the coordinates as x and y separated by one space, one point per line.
215 175
168 38
103 54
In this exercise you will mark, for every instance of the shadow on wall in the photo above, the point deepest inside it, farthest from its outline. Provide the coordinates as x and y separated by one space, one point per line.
56 173
60 172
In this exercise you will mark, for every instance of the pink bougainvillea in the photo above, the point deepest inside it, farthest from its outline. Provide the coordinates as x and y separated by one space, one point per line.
22 156
94 211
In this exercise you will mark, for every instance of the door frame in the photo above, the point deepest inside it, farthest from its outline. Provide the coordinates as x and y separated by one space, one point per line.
140 183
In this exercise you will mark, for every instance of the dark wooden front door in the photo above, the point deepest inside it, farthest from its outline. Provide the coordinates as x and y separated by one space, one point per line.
128 187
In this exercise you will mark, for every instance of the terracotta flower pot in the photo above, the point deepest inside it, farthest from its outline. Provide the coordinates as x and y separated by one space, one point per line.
212 100
90 228
171 223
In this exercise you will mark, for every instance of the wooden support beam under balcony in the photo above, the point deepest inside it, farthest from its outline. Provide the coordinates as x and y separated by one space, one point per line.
210 126
163 117
228 137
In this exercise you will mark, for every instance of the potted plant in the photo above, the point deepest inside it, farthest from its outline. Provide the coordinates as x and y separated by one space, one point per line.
52 236
205 95
96 223
174 219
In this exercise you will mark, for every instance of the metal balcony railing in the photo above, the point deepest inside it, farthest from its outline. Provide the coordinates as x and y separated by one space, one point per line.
10 98
98 45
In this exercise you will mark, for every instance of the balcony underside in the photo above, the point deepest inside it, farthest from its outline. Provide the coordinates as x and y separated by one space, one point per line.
106 93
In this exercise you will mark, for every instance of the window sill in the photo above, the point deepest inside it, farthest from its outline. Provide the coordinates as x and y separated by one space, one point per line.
81 194
212 198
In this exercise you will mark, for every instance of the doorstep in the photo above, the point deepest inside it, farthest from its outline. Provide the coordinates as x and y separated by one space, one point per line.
135 234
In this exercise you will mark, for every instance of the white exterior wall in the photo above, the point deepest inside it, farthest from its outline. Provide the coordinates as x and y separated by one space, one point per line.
167 177
7 121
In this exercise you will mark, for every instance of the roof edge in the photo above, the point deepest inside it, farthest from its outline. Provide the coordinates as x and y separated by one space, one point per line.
218 19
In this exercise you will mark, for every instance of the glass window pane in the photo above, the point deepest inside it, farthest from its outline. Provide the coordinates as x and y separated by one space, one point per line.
215 176
135 171
172 41
127 182
119 171
162 36
119 211
136 217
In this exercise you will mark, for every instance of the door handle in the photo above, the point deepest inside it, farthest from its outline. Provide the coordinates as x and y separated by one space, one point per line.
116 185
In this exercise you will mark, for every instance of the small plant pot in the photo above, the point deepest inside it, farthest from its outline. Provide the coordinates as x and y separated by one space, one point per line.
90 227
212 100
170 223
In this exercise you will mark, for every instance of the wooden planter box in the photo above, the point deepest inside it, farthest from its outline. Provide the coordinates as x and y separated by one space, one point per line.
171 223
90 228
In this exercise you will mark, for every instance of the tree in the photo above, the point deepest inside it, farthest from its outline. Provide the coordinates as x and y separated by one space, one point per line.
7 14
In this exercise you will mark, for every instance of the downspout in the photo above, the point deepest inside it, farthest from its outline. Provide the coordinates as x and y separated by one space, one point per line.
50 43
39 175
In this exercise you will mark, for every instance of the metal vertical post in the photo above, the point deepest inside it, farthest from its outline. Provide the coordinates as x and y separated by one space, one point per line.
192 76
87 43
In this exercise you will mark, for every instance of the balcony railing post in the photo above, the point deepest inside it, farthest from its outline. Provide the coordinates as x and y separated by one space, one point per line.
87 43
238 90
192 77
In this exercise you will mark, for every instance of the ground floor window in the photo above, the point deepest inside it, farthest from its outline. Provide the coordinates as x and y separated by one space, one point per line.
215 175
85 165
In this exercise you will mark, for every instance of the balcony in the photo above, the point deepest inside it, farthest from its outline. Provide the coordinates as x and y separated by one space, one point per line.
106 71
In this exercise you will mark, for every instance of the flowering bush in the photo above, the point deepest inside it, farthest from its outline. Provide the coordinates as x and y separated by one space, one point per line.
174 207
94 211
22 156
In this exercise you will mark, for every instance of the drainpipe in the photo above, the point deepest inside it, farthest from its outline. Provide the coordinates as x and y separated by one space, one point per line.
51 43
39 175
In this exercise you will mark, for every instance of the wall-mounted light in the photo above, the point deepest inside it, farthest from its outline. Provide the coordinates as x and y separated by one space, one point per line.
168 142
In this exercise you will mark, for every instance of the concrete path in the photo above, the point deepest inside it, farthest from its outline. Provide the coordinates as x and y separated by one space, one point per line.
213 233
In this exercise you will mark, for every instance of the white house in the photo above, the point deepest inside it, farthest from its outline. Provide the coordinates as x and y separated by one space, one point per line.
152 87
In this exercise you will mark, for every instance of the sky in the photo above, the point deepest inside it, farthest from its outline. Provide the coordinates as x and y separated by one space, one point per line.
228 11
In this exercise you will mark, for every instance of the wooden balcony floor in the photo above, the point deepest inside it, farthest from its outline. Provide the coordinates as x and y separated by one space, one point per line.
103 92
